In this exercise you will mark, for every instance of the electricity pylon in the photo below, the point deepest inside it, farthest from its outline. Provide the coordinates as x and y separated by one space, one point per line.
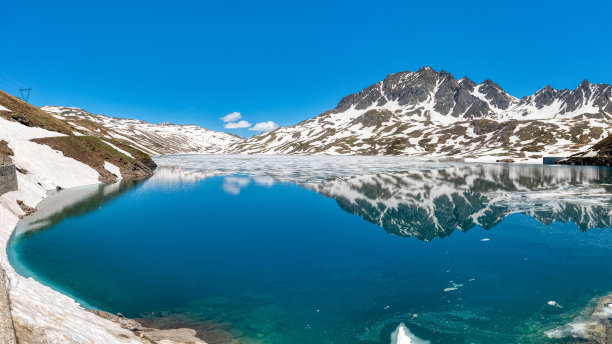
25 93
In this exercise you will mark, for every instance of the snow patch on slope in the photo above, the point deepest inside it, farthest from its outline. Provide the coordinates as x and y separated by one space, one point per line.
113 169
48 167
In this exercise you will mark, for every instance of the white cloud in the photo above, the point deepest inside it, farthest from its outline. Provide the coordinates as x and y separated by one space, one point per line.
264 126
237 125
232 117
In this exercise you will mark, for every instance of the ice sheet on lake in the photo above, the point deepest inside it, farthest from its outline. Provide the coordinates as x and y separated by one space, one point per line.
445 195
297 168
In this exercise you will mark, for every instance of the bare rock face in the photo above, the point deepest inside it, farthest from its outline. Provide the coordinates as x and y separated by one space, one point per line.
26 208
374 118
496 95
21 119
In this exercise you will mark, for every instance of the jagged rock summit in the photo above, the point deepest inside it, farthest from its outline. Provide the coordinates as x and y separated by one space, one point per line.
441 97
431 113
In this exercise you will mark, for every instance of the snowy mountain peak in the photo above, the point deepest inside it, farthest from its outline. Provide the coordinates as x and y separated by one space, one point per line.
431 113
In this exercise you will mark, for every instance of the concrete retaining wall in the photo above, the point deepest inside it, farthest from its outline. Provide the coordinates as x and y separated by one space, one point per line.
8 178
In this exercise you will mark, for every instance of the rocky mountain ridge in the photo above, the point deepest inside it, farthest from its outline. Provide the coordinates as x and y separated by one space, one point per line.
421 113
431 113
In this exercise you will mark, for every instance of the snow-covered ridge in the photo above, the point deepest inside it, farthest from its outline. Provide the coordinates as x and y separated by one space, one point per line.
430 113
155 139
439 95
422 113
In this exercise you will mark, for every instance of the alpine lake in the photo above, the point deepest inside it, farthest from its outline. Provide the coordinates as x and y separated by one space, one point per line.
272 249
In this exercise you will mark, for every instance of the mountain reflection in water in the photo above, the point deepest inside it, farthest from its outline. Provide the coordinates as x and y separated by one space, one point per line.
429 201
429 204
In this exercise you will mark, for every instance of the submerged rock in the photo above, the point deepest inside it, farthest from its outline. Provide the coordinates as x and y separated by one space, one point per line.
180 335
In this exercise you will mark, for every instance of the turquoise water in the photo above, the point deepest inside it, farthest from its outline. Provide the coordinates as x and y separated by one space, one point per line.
295 259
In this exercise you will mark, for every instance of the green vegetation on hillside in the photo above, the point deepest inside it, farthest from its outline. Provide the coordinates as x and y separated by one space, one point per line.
30 114
89 150
93 152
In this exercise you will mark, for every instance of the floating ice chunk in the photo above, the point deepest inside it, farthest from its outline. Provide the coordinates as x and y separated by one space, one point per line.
402 335
454 287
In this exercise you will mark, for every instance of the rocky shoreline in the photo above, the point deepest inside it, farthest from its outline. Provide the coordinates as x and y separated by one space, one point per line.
599 327
149 334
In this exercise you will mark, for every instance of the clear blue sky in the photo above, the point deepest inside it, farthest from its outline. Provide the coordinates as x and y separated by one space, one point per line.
196 61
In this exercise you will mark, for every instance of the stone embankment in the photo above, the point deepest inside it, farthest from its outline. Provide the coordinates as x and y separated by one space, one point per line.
8 175
8 182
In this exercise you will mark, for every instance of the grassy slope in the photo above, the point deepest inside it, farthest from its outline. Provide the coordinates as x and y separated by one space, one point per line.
94 152
86 149
36 116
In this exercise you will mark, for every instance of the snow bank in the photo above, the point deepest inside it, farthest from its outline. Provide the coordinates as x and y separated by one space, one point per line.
114 169
46 166
40 314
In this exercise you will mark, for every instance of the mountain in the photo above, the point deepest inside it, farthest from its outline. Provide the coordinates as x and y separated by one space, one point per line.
430 113
35 137
155 139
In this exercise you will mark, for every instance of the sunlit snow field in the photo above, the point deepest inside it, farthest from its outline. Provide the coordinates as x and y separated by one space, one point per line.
270 249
